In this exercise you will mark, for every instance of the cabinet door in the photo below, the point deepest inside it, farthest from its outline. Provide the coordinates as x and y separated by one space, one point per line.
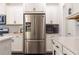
68 9
14 14
17 44
71 27
34 7
52 12
5 47
56 51
19 14
75 7
67 52
2 8
10 17
39 7
49 42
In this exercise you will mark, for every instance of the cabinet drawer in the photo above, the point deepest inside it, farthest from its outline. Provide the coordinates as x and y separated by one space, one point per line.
17 44
57 45
56 51
67 52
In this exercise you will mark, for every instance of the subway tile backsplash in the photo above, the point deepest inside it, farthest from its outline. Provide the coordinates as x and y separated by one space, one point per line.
13 29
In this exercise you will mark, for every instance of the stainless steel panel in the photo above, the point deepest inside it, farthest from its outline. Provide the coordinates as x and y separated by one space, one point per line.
39 27
29 34
35 47
34 40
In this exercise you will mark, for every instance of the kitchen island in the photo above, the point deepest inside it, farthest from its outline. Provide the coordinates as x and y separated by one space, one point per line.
5 45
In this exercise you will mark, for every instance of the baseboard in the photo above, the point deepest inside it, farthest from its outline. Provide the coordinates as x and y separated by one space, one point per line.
49 53
21 53
17 53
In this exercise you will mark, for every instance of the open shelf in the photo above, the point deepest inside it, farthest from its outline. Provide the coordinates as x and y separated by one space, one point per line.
74 16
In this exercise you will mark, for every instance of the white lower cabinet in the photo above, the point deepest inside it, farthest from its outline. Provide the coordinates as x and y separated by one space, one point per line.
17 44
5 47
67 52
56 51
48 42
59 49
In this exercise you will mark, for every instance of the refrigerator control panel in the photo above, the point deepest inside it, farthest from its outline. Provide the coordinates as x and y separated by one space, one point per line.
28 26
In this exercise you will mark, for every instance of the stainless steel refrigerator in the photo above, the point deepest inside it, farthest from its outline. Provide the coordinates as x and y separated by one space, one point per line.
34 33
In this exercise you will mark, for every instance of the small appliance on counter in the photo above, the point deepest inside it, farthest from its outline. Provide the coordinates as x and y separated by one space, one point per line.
52 28
3 28
4 31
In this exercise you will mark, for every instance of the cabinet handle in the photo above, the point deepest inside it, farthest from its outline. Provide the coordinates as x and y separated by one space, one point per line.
53 42
57 46
64 54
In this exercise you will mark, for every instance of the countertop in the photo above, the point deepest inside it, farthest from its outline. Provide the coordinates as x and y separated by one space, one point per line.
69 42
5 37
9 35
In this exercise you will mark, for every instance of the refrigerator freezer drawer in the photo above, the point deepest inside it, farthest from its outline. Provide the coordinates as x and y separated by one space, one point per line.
35 47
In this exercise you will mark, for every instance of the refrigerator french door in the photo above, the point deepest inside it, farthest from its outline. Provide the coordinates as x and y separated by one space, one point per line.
34 33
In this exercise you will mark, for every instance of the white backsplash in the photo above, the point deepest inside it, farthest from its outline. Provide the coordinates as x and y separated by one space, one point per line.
13 29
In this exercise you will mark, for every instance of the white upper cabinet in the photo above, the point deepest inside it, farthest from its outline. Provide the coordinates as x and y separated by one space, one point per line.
71 27
75 7
68 9
2 8
14 14
39 7
71 8
52 14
